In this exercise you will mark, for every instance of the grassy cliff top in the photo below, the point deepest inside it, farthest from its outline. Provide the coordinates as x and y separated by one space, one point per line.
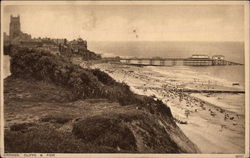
52 105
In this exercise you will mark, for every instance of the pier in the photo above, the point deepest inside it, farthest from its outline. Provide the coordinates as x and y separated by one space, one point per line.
176 62
195 60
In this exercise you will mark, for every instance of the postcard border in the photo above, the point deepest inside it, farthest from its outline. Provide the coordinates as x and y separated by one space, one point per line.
247 72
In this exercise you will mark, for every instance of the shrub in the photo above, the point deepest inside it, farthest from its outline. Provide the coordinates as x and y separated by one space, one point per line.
21 126
104 77
47 140
105 131
57 118
84 83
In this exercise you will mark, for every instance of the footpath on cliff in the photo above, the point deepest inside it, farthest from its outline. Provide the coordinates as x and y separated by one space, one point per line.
54 106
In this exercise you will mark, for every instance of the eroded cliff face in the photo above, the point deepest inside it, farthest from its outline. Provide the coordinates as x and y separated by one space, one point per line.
49 101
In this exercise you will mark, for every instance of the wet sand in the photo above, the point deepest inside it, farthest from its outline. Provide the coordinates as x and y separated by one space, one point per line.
214 122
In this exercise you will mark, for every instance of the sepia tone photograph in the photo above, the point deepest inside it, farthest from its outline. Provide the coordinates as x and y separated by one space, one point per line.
126 77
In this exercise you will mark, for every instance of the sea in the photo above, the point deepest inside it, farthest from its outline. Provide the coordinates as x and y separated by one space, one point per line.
233 51
228 74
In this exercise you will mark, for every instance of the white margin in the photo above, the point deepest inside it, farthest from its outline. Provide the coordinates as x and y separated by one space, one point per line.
247 58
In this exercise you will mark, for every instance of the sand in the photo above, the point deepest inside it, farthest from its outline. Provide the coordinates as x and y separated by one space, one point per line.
215 122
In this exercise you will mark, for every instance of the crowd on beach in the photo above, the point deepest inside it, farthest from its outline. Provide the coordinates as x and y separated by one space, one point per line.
188 110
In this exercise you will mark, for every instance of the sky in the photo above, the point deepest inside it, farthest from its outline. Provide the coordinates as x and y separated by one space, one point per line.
131 22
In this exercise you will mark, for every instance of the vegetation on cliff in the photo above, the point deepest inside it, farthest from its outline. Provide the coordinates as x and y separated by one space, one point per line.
84 110
84 83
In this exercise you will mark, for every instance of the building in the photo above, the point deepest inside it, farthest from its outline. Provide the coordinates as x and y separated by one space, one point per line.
218 57
204 60
198 60
77 48
17 37
218 60
15 34
30 44
15 27
199 56
78 45
58 41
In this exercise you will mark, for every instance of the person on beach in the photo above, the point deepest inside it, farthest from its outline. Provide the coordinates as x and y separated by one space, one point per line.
187 113
222 126
225 117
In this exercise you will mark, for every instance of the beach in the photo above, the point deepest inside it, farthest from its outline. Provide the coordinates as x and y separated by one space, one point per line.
213 121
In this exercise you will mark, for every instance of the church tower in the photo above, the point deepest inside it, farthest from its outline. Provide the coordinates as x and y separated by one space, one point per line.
15 27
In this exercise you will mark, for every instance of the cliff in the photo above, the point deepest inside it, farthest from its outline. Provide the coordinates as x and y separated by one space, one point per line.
52 105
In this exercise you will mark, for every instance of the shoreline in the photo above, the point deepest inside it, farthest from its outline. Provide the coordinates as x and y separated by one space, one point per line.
227 124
